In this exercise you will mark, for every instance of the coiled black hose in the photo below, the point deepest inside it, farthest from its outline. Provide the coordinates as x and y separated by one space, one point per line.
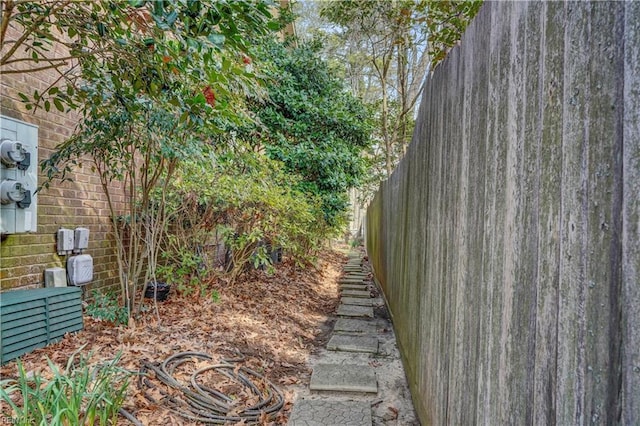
197 402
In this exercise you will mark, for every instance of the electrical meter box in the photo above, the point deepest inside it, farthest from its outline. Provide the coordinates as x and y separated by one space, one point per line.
18 176
80 269
65 241
81 239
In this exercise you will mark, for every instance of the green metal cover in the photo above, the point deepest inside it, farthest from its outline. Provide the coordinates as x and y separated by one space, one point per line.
31 319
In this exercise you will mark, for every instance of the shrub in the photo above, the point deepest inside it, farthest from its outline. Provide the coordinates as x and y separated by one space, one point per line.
246 200
105 306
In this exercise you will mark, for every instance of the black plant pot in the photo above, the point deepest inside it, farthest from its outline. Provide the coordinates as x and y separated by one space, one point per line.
160 289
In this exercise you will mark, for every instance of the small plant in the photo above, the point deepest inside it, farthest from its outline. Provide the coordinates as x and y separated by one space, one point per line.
105 307
356 242
79 395
183 267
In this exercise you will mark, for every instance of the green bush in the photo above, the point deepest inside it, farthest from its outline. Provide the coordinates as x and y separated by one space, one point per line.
105 306
79 395
246 200
183 267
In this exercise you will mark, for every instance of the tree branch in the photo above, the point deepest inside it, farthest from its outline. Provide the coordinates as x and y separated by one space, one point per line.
20 71
28 31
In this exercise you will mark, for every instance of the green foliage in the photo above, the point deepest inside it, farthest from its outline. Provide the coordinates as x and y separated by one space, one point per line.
79 395
310 123
183 267
244 199
443 21
181 37
446 22
386 48
356 242
105 306
172 74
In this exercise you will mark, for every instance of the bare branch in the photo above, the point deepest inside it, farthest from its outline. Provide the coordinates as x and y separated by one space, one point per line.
32 69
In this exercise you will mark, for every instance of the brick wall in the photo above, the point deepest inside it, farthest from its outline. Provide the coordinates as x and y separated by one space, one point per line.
23 257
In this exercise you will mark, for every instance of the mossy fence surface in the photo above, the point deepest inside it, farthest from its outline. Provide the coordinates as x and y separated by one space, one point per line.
507 241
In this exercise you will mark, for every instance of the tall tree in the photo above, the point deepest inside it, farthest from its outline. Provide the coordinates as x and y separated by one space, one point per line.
389 46
151 80
313 124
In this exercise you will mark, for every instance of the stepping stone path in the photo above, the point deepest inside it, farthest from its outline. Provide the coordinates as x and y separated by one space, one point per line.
349 286
357 301
354 277
355 332
355 311
347 343
344 377
323 412
352 325
356 293
351 280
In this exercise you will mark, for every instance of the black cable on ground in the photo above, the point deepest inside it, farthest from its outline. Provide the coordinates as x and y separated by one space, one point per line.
127 415
197 402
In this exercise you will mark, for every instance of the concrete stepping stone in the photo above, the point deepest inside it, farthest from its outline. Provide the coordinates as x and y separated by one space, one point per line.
358 301
327 412
348 343
344 378
360 285
353 282
356 293
352 325
350 281
355 311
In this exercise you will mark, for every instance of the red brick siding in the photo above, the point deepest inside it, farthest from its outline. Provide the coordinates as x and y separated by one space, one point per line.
23 257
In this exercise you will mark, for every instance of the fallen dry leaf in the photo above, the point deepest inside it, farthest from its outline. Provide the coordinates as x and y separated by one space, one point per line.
270 324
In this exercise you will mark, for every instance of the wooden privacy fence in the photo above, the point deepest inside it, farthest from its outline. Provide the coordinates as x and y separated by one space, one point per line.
507 241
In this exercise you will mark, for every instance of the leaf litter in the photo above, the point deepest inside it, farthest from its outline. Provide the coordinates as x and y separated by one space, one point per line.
270 324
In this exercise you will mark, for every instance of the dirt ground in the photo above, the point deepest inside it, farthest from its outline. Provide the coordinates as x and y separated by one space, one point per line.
274 324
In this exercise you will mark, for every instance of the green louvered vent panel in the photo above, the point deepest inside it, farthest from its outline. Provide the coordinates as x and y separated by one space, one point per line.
31 319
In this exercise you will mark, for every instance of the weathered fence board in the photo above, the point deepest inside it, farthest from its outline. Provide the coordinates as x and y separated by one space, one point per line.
507 239
630 294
